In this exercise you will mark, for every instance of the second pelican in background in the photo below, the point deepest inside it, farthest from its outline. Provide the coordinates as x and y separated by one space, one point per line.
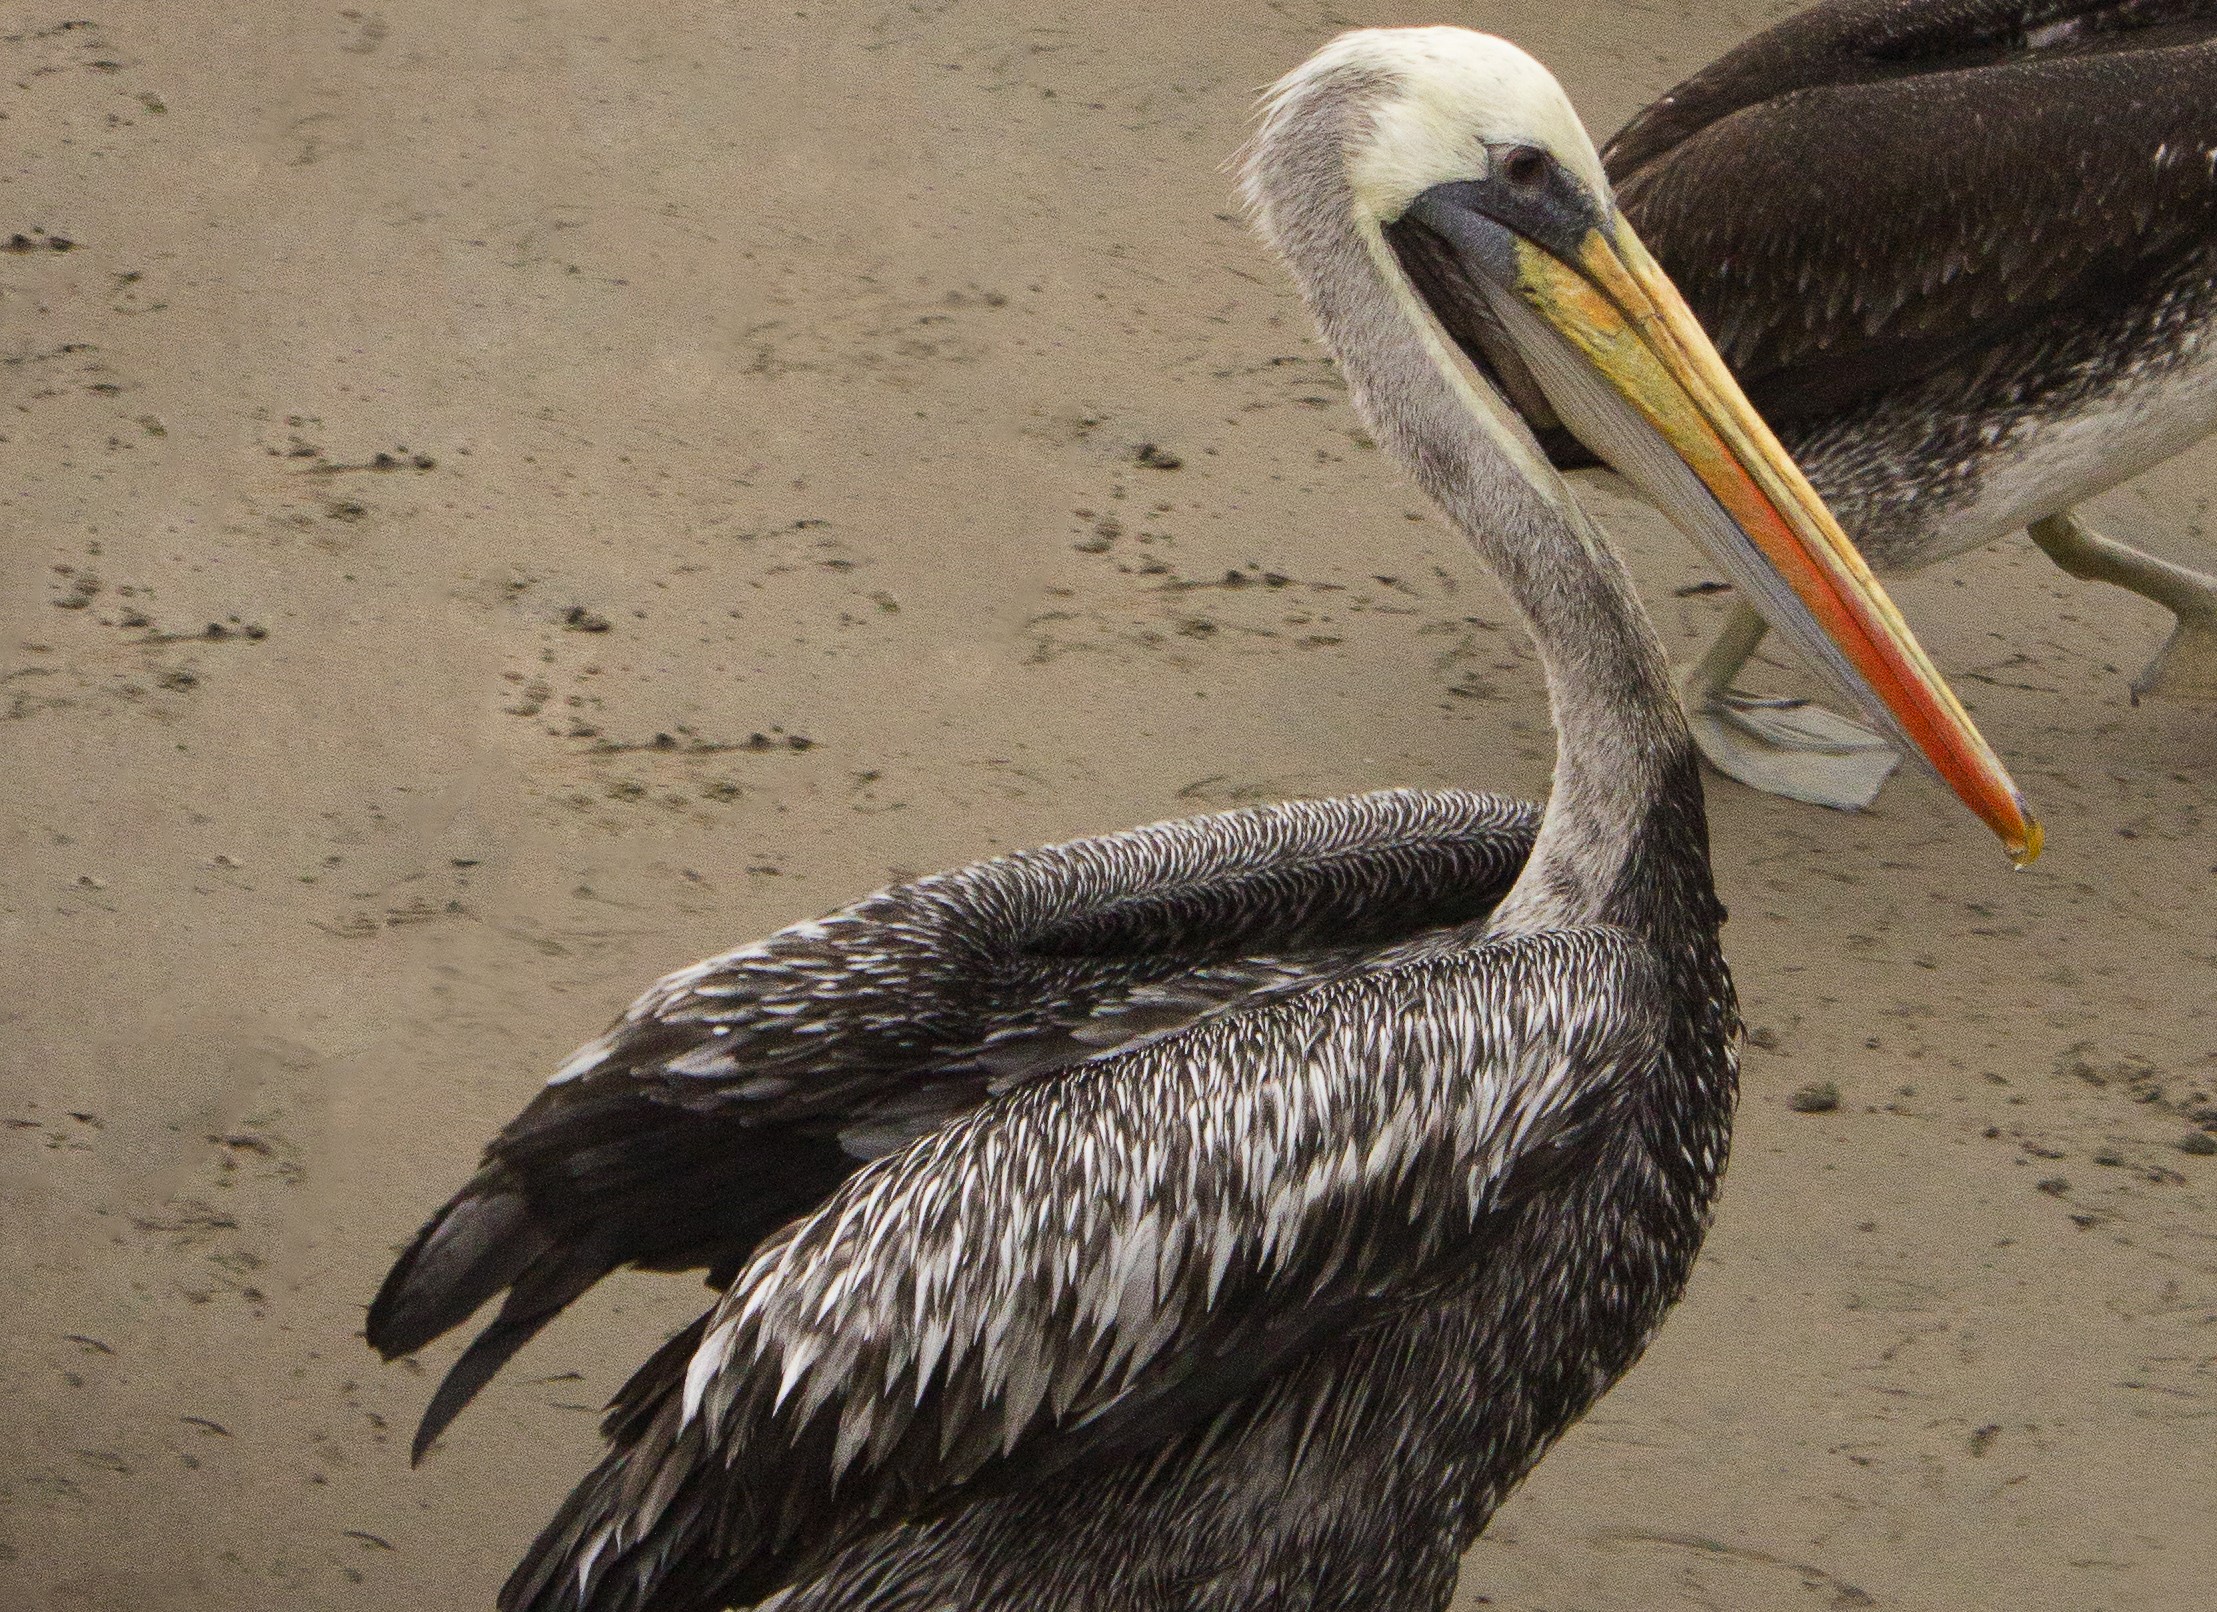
1962 256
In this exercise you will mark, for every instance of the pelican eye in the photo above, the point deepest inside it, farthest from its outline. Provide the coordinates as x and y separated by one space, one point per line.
1525 167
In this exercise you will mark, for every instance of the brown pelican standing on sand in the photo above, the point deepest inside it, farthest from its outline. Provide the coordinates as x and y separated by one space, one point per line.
1962 256
1251 1199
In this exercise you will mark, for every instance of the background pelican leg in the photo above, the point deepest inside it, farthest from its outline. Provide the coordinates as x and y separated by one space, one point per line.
1782 746
2186 666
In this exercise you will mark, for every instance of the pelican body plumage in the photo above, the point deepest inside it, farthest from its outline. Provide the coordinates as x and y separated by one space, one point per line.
1223 1215
1962 256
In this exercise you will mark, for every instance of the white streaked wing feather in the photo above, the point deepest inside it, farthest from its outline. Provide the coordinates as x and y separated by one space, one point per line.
1216 1156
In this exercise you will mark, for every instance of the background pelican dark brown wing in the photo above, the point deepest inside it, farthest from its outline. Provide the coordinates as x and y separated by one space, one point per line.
1875 192
1850 42
740 1092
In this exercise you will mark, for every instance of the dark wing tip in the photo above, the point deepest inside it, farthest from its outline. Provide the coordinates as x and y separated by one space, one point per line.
480 1363
467 1252
541 1292
482 1242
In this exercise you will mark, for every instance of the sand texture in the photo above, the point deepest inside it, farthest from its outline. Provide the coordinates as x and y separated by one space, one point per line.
498 501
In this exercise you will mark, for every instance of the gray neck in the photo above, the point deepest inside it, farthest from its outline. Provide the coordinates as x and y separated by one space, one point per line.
1620 739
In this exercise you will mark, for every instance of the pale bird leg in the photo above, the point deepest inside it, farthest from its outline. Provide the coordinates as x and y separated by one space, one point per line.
2186 666
1783 747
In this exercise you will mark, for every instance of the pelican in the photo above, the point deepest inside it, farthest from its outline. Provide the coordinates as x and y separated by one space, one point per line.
1222 1215
1963 258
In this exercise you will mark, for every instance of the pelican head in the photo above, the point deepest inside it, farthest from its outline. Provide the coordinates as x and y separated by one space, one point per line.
1447 218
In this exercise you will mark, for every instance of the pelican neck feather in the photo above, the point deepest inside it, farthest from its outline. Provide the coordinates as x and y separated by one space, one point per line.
1619 736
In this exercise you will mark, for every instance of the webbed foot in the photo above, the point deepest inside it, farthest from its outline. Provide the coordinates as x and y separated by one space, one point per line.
2185 668
1793 748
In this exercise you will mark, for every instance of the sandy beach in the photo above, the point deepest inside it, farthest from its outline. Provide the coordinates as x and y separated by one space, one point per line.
498 502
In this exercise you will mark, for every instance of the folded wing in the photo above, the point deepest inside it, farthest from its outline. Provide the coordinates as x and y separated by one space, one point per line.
740 1092
1080 1270
1875 190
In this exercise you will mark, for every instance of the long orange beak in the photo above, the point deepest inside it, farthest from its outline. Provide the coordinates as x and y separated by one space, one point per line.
1792 561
